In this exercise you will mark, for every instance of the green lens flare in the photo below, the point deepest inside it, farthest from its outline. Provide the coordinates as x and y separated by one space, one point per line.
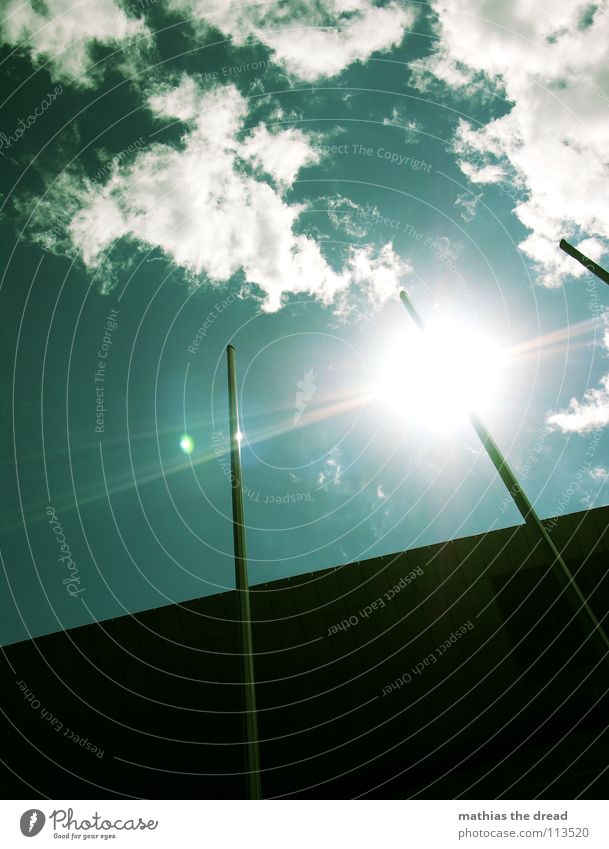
186 444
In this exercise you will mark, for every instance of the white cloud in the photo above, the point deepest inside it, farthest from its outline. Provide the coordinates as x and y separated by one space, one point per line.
201 205
177 101
346 215
62 31
311 39
550 60
592 412
331 471
468 205
583 416
378 274
281 155
413 133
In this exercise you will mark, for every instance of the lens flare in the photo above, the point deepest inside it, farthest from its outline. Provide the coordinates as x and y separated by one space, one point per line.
186 444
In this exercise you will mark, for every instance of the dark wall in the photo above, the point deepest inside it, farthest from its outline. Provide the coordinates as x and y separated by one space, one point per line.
456 669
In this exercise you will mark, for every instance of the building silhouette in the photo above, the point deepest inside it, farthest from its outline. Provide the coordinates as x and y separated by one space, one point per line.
456 669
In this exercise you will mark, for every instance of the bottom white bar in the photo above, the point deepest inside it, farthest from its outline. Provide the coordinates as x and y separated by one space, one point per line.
306 824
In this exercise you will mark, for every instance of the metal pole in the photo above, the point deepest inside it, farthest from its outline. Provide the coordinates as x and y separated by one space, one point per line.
528 512
584 260
247 646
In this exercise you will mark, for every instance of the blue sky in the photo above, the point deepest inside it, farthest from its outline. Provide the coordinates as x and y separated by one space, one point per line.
184 174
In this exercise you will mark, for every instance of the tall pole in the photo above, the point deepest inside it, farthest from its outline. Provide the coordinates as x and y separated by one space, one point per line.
584 260
528 513
247 645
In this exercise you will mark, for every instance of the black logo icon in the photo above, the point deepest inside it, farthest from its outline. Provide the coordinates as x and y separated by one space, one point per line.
32 822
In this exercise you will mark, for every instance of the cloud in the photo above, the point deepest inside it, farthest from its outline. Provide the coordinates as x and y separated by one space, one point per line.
346 215
281 155
61 32
310 38
590 414
549 60
331 470
210 205
378 275
468 205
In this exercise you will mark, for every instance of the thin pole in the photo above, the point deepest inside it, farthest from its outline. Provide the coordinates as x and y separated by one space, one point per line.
527 511
247 645
584 260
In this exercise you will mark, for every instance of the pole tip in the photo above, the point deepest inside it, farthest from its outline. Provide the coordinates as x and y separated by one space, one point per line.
230 348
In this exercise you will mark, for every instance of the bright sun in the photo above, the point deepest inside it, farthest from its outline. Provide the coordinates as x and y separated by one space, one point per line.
434 377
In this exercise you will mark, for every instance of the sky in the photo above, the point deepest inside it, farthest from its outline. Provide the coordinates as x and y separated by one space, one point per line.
178 175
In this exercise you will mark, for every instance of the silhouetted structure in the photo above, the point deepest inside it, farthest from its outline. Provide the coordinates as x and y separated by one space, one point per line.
246 647
454 669
573 592
584 260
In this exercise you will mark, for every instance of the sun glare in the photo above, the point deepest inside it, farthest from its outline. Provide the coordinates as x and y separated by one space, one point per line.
435 377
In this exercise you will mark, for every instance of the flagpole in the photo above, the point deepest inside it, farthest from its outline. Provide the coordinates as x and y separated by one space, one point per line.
241 581
527 511
584 260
